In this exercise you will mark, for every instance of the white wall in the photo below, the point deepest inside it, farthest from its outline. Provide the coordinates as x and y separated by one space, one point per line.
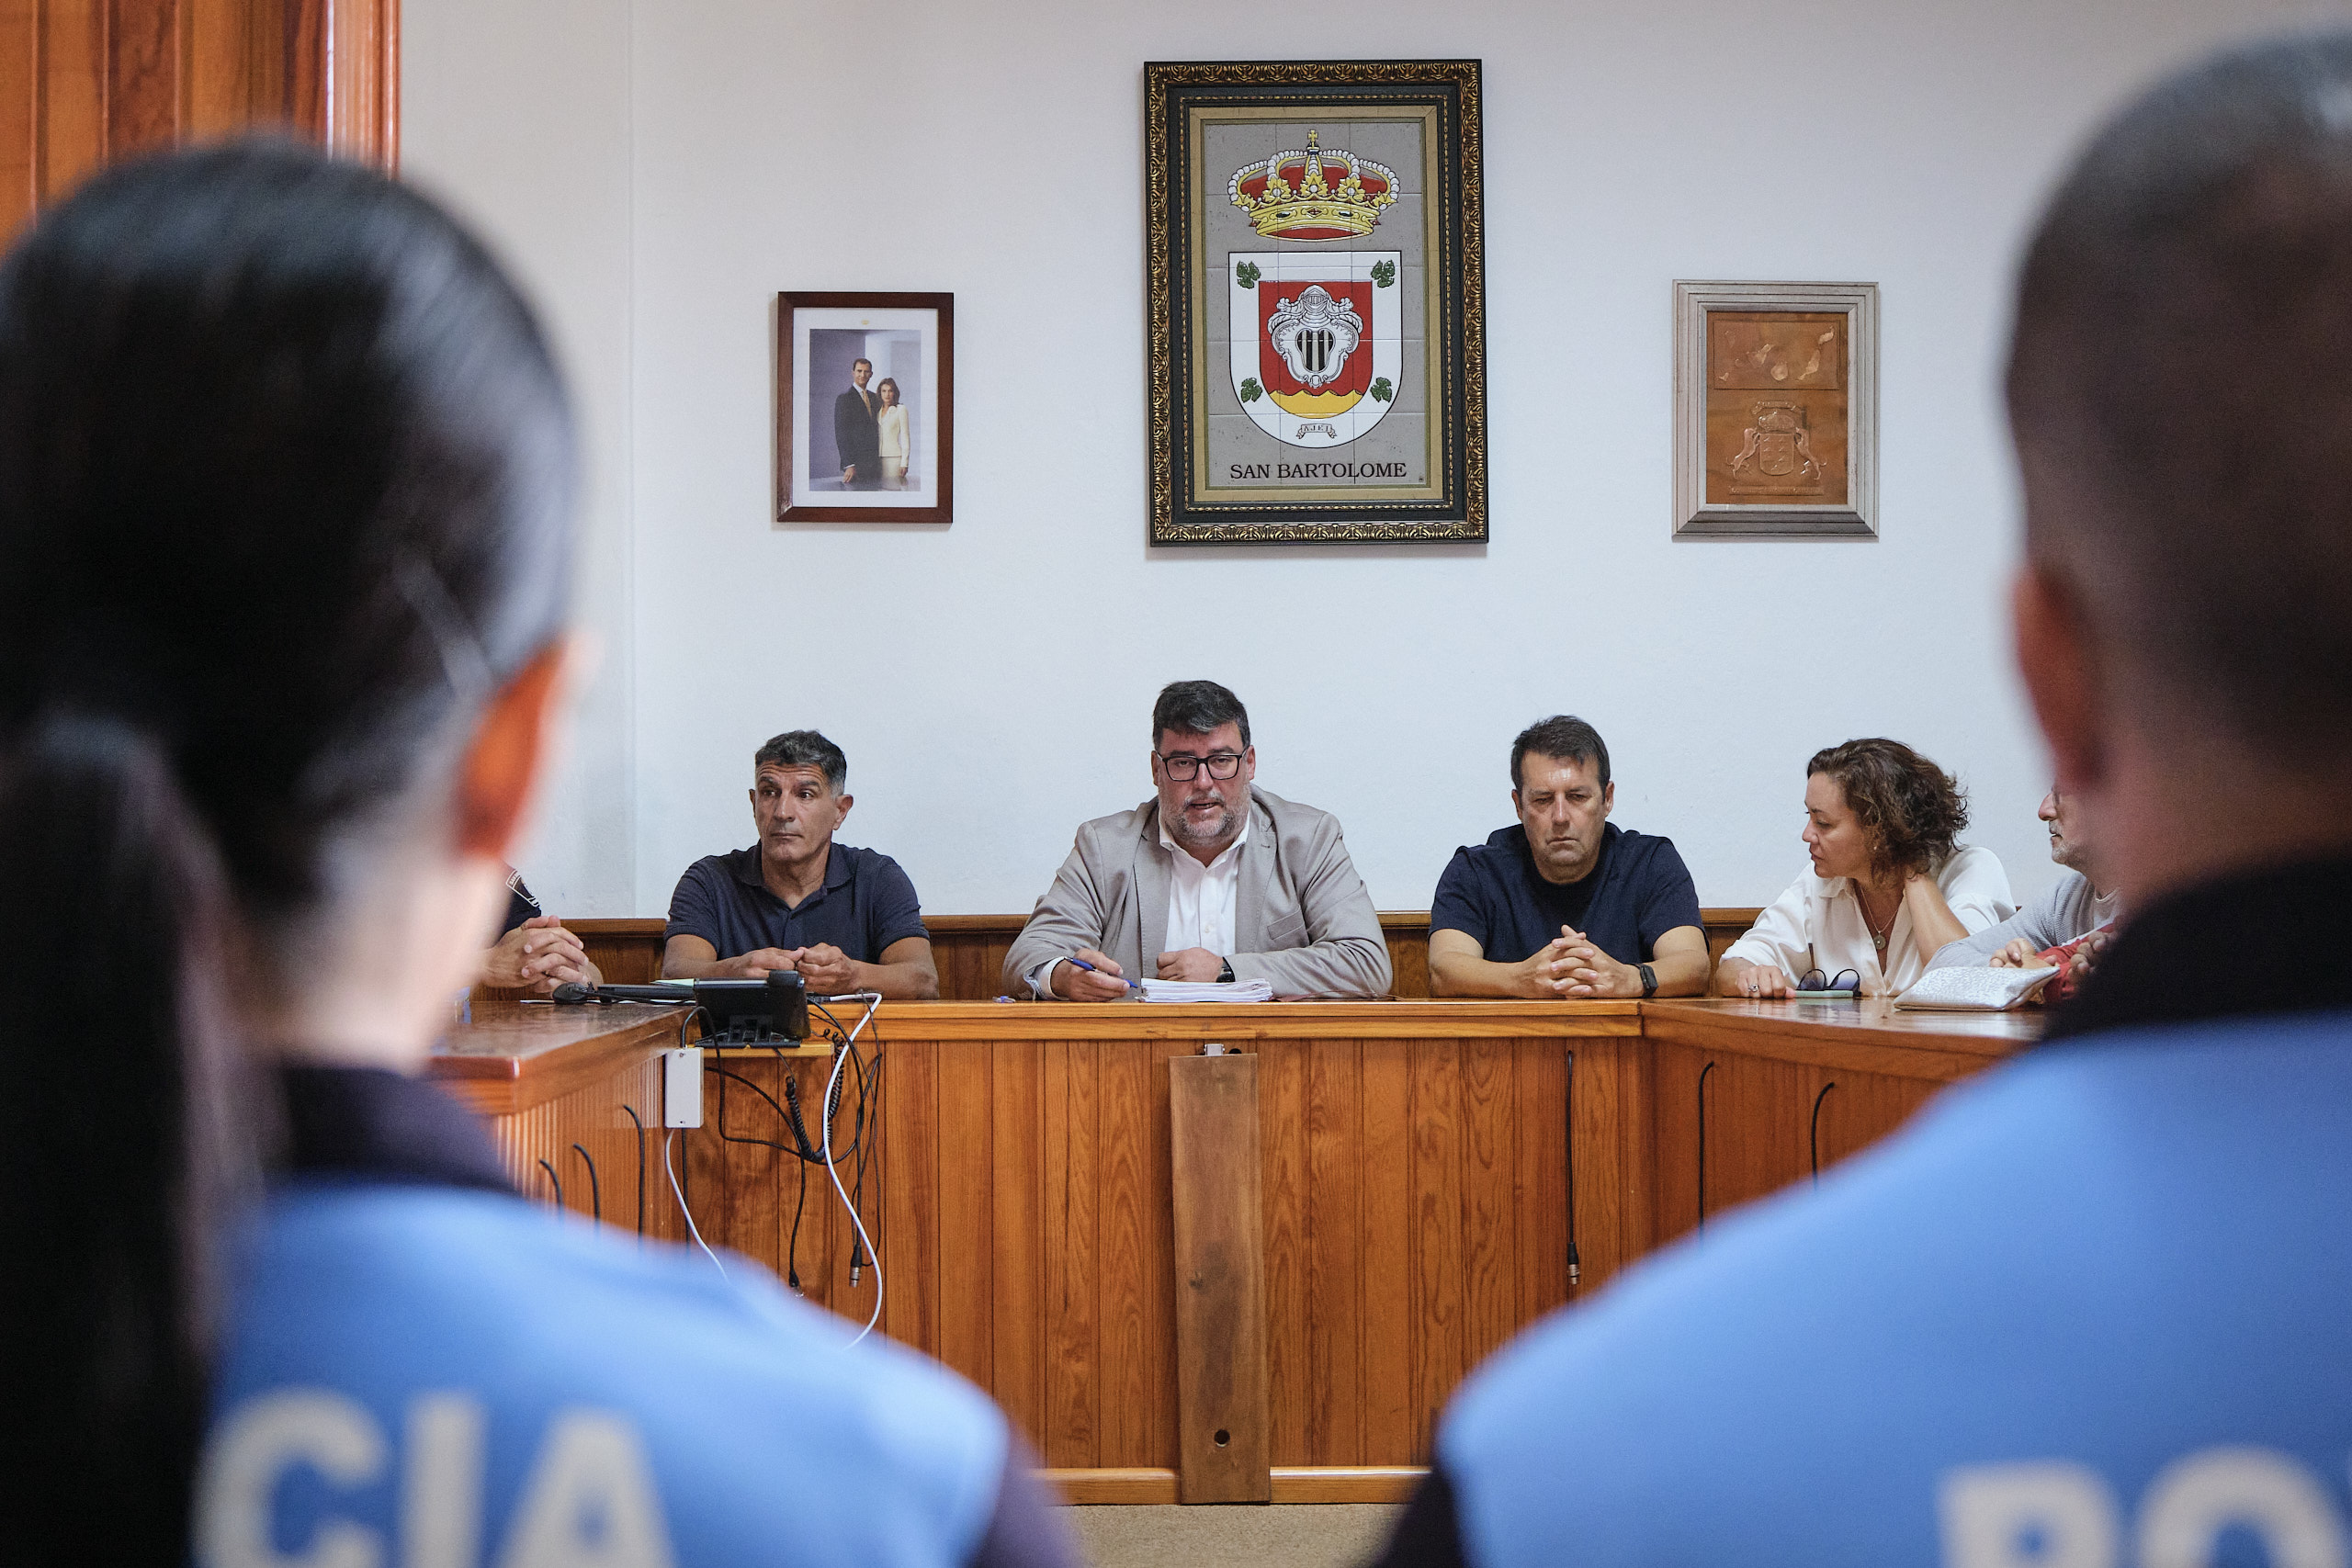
660 171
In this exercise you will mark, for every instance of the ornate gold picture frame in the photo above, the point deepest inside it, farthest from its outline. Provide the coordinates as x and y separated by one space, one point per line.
1775 411
1317 299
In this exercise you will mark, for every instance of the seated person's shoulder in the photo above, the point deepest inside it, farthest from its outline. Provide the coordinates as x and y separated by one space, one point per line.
458 1285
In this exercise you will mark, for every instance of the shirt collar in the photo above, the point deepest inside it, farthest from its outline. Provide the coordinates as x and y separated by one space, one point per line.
1225 856
744 865
2161 969
374 1124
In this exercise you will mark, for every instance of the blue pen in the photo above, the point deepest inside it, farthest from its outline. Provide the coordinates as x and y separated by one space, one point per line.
1089 968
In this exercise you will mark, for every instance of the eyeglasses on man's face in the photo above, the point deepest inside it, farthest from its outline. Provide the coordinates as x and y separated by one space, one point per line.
1184 769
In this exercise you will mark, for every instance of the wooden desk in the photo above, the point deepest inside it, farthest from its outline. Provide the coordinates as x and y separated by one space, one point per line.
1751 1096
1428 1169
565 1092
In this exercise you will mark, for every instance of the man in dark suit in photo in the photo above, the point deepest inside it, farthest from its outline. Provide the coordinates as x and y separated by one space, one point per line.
856 435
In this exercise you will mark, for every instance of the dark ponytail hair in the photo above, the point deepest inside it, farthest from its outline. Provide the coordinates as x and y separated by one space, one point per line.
284 482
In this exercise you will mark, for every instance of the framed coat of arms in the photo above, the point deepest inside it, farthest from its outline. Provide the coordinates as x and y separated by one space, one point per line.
1316 284
1775 411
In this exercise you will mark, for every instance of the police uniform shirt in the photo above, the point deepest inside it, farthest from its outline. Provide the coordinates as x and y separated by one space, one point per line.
424 1369
2087 1308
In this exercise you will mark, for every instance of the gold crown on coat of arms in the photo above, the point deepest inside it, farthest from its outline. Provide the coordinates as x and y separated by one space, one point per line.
1318 194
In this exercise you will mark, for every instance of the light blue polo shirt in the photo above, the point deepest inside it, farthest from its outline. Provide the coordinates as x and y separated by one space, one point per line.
2094 1308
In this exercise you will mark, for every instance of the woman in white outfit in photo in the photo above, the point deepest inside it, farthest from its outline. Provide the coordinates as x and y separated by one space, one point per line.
896 448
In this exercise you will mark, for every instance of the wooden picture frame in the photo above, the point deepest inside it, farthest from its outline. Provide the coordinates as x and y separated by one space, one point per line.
1314 271
905 339
1775 409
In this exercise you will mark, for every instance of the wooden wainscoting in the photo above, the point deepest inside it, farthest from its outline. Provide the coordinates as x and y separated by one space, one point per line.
971 949
88 82
1419 1201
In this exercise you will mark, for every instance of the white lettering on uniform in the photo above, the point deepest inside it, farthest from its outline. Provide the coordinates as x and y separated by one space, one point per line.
263 1440
2193 1499
590 1501
2050 1514
441 1486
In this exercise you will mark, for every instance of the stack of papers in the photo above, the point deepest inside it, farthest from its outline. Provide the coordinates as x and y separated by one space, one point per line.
1964 990
1208 991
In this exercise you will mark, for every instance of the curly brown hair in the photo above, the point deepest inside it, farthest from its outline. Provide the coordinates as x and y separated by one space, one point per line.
1913 807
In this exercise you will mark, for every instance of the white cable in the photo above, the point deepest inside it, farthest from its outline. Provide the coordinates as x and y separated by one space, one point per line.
706 1252
824 1111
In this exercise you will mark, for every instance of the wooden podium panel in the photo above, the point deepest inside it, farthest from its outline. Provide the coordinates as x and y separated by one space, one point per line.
1431 1178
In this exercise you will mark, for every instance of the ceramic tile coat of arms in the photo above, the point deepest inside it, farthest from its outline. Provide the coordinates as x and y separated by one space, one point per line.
1317 355
1775 409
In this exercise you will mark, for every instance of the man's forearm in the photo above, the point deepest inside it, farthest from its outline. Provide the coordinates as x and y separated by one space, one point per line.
1680 975
1459 974
910 982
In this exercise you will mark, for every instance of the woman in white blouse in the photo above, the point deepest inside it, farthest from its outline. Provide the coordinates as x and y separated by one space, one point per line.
892 425
1888 885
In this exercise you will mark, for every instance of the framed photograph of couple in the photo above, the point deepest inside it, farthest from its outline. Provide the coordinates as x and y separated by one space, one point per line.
1316 278
864 408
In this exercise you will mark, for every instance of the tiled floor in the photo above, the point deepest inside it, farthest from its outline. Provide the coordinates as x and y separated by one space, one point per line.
1327 1535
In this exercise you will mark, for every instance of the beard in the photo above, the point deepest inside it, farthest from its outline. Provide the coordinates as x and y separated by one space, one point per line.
1183 832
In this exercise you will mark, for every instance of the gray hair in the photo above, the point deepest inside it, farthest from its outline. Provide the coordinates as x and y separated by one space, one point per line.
2180 389
805 749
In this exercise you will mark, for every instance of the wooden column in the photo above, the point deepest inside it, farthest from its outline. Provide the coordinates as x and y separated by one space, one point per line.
1222 1430
88 82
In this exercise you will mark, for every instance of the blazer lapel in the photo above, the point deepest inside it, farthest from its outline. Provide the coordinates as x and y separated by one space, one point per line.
1151 896
1256 870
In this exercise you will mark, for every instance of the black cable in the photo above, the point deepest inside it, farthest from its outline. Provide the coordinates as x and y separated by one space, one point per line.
1575 1266
641 1170
595 1188
1702 1144
792 1253
554 1181
1813 1138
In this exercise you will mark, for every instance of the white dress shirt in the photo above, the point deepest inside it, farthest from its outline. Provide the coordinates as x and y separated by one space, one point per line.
1201 901
1818 924
1200 897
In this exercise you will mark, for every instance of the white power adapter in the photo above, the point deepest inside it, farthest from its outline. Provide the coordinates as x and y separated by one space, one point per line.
682 1087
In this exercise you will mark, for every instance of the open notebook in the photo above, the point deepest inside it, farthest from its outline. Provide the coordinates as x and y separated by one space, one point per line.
1964 989
1208 991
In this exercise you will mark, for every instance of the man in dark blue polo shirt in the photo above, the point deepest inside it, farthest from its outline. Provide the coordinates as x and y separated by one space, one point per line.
846 919
1565 904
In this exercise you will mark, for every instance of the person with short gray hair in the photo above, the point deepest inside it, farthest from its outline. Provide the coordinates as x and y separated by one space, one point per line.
846 919
1211 879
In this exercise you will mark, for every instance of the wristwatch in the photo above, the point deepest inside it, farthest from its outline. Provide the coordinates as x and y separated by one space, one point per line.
1225 974
1649 981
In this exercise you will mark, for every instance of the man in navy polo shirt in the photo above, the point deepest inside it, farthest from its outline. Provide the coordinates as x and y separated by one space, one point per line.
1564 903
846 919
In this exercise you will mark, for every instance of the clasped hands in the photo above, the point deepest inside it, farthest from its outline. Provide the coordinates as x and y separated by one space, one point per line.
1570 966
538 955
825 969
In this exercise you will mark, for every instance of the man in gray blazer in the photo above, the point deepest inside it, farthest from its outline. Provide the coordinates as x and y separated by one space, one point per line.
1211 879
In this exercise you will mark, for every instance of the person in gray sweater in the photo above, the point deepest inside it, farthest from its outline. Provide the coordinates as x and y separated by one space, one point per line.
2071 908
